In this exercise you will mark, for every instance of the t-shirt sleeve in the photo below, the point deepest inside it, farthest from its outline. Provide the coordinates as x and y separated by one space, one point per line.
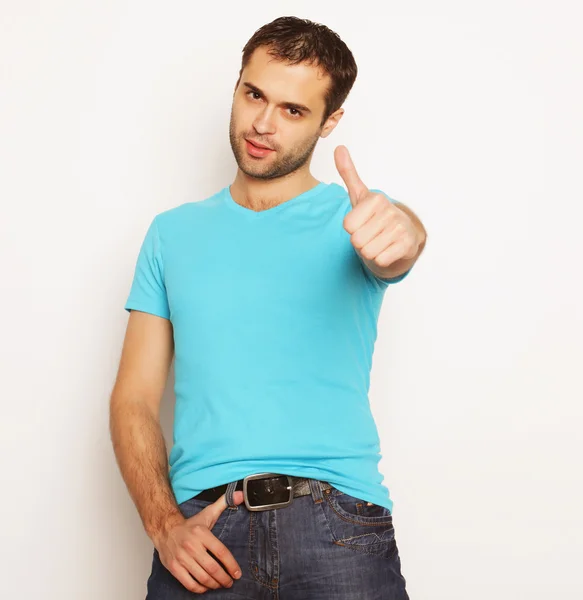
374 279
148 289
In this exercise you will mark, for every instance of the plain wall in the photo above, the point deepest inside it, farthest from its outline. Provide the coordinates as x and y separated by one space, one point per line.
468 112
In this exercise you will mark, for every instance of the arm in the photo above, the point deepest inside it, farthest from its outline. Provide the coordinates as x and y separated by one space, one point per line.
136 434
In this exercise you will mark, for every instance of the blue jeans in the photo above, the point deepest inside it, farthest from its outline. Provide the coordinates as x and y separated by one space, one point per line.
325 545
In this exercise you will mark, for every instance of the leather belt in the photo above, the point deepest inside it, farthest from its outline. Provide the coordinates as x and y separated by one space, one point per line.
265 491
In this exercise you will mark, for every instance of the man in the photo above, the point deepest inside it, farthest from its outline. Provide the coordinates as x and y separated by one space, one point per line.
267 295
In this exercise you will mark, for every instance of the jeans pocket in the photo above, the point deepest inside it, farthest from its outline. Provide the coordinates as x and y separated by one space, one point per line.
194 505
357 510
359 525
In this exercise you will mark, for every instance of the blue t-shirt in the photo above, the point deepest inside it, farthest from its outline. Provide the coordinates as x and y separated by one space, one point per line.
274 319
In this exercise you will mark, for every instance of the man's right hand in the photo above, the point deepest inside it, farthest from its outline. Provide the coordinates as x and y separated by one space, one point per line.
183 546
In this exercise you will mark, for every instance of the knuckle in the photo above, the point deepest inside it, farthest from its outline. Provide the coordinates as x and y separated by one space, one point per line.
198 528
385 217
173 565
208 581
221 552
196 588
213 567
356 241
384 262
182 559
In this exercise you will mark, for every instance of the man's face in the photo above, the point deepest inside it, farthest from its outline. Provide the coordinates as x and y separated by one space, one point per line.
263 117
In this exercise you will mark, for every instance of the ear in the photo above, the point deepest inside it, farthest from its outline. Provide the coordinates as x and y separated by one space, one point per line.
331 122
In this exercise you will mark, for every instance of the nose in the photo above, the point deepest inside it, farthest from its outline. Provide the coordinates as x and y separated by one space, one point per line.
264 123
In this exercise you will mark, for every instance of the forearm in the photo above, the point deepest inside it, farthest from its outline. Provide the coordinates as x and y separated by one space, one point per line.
140 452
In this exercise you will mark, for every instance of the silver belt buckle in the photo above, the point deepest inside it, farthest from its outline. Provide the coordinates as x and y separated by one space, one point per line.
267 506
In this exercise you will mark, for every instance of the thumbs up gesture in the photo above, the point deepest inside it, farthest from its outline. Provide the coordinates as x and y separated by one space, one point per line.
381 233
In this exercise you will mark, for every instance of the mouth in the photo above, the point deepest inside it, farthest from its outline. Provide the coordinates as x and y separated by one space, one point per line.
256 150
259 145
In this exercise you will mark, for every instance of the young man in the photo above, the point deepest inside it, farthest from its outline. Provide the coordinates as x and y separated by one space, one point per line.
267 295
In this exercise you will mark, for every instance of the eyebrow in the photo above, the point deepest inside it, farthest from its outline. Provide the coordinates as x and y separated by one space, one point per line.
285 104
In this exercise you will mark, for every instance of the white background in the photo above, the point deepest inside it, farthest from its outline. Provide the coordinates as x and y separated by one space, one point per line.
469 112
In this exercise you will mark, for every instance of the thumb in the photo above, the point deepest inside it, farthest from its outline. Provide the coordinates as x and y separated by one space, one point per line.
213 511
354 184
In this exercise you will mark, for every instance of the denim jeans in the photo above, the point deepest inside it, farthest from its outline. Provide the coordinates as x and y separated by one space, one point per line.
326 545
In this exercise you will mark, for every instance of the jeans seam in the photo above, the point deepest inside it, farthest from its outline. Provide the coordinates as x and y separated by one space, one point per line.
388 521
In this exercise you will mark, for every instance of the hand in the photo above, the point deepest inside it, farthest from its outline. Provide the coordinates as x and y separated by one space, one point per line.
183 549
380 231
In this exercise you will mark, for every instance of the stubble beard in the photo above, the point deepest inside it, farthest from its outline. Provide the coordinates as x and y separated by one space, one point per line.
291 161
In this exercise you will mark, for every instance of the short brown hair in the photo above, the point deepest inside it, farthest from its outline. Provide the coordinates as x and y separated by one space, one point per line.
297 40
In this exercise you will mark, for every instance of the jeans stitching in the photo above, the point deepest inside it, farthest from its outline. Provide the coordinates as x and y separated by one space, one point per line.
388 520
253 566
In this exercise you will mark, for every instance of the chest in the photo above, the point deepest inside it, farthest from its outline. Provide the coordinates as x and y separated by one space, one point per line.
225 273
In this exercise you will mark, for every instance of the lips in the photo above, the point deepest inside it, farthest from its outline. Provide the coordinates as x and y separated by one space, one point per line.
258 144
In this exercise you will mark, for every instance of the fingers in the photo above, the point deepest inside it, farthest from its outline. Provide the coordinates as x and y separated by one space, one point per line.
207 570
186 579
222 554
206 564
202 561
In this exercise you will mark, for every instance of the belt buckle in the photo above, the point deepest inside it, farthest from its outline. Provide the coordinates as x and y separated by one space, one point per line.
266 506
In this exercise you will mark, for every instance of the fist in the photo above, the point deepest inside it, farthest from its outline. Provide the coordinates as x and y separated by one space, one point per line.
380 232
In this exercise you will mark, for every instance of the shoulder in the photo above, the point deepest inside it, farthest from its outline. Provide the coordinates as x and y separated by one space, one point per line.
176 216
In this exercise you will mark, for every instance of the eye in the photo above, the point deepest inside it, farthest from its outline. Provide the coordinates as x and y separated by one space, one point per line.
296 113
299 112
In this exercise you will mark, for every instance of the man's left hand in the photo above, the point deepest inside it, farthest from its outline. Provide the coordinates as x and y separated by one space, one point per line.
380 232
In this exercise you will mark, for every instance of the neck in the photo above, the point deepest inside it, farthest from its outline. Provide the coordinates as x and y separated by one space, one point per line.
262 194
